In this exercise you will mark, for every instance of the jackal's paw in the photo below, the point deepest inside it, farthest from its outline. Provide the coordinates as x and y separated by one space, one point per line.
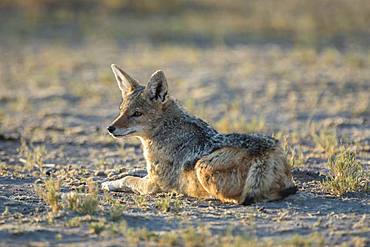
112 186
108 186
117 185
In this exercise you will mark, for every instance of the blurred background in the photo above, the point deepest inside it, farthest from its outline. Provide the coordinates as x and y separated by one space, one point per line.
338 23
298 70
243 65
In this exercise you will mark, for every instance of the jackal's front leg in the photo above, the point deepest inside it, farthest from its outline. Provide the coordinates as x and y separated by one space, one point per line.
138 185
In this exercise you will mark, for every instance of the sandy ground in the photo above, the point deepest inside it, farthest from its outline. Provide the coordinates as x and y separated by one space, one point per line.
284 86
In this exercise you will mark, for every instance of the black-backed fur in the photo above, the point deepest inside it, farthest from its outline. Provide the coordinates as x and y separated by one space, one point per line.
288 191
284 193
248 201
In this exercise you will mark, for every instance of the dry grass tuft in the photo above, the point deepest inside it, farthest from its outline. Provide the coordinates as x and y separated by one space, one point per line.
116 212
85 204
140 201
163 204
51 194
202 236
347 174
78 220
296 157
32 156
133 236
314 239
97 227
325 140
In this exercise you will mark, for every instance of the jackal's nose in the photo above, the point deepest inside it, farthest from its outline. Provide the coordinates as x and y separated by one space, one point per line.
111 129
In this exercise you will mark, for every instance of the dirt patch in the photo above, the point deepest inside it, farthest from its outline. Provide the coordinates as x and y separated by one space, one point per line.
276 90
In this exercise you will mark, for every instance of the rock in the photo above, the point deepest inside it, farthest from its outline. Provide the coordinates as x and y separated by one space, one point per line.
49 171
38 181
100 174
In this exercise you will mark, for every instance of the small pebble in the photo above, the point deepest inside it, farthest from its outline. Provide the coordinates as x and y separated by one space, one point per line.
100 174
38 181
49 171
123 169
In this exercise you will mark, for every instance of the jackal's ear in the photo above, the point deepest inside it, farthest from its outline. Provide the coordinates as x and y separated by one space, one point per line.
125 82
157 88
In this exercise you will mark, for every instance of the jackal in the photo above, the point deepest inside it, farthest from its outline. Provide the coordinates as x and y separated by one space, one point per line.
186 155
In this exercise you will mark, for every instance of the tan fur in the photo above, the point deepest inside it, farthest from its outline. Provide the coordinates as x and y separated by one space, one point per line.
191 186
223 173
229 175
268 176
236 167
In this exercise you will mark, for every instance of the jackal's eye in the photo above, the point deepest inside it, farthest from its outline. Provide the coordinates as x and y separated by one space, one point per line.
136 114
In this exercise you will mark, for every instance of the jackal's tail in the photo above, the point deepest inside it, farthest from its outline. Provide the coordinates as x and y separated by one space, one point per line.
268 179
281 195
288 191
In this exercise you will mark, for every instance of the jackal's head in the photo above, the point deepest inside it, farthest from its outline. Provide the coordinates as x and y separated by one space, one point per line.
141 107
